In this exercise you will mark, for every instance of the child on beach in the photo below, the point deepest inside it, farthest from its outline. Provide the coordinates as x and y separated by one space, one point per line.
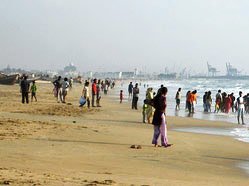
121 96
33 89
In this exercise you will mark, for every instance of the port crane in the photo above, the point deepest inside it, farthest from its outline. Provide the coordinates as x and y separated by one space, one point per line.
211 70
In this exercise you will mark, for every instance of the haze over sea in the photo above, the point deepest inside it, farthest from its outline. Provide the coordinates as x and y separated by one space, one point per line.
201 85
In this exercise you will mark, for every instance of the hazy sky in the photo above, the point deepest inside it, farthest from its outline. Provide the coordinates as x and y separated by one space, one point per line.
120 35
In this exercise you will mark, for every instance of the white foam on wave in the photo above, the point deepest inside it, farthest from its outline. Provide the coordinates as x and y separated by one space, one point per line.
206 130
241 134
244 166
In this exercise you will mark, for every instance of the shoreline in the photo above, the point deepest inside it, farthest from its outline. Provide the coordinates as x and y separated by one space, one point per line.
62 144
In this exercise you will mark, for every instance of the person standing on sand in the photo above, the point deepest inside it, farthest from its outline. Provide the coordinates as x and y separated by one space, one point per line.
159 118
241 108
98 94
94 91
33 89
150 109
65 87
58 89
121 96
130 88
144 111
135 96
105 87
25 89
86 93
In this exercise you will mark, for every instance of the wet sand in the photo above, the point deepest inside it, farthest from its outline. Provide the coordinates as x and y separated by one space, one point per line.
50 143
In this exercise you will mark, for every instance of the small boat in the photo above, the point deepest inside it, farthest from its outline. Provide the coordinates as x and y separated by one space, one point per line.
8 79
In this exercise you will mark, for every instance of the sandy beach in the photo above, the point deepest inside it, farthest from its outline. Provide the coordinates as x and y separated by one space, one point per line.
50 143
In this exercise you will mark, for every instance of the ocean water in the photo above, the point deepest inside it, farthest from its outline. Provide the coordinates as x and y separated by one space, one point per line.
241 134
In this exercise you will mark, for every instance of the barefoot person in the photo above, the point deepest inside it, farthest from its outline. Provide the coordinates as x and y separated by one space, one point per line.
150 109
241 108
33 89
86 93
159 119
178 99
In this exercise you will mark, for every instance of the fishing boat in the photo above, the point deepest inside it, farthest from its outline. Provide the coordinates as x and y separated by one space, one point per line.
8 79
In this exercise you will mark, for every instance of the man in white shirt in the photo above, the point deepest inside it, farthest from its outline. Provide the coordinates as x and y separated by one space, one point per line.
241 108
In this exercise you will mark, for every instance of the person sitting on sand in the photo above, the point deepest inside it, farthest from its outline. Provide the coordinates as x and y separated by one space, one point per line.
159 118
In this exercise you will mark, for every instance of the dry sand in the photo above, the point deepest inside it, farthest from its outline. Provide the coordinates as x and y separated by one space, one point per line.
49 143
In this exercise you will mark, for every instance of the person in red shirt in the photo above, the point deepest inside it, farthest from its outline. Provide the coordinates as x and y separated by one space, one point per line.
228 103
94 91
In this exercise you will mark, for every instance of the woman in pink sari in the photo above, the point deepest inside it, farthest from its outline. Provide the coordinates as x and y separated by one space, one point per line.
159 119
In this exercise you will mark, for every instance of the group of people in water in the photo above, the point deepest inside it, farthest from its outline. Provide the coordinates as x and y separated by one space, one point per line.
223 103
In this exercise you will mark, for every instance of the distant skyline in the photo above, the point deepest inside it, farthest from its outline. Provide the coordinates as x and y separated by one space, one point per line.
121 35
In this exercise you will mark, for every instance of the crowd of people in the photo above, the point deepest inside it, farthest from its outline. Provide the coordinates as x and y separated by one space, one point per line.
97 86
154 107
62 86
223 102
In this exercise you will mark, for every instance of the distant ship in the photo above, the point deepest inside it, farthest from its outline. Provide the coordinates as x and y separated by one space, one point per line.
167 76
